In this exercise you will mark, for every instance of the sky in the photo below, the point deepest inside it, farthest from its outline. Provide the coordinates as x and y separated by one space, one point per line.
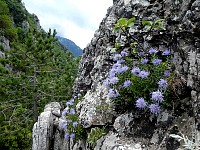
76 20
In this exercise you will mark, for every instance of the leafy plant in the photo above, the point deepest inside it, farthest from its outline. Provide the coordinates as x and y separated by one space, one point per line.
188 144
73 129
95 134
139 77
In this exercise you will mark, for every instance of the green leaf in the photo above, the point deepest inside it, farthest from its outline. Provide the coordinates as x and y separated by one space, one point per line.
147 27
158 21
133 44
130 22
116 28
146 22
161 27
122 21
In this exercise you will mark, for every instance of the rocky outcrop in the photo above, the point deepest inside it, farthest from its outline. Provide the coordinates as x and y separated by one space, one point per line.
133 130
46 131
5 43
182 37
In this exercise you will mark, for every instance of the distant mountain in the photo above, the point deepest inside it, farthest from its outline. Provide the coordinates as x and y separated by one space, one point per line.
71 46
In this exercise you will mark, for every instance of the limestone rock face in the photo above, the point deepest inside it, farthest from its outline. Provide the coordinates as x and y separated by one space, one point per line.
135 130
46 131
182 37
4 43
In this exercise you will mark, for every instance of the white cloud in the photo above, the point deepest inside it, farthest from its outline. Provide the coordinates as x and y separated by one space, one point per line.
76 20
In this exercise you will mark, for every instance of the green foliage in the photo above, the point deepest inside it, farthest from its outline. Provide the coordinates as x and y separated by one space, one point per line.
124 23
157 24
17 10
6 26
139 77
94 135
72 128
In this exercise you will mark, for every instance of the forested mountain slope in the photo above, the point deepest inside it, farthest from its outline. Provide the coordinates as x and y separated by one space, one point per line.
34 69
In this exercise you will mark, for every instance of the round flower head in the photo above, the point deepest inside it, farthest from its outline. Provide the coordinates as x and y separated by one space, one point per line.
141 103
166 73
166 52
62 124
152 51
156 61
69 103
66 136
162 84
135 71
122 69
154 108
157 96
144 61
120 61
72 111
113 93
124 53
112 73
72 136
75 124
64 112
117 57
141 54
143 74
127 83
79 95
72 100
114 80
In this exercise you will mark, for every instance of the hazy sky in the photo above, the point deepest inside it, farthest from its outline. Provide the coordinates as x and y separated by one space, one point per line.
76 20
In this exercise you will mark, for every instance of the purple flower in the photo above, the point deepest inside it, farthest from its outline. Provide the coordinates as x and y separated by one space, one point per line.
72 136
75 124
71 100
141 54
113 93
135 71
156 61
154 108
106 83
69 121
166 52
143 74
144 61
122 69
152 51
166 73
62 124
162 84
112 73
68 103
72 111
114 80
157 96
120 61
124 53
116 65
64 112
127 83
79 95
66 136
141 103
117 57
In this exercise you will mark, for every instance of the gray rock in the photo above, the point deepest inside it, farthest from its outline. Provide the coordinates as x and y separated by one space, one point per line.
5 43
136 130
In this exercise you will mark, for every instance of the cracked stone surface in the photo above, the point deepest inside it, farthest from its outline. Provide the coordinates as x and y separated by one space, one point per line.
131 129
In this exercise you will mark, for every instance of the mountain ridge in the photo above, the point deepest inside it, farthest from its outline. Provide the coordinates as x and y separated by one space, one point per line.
71 46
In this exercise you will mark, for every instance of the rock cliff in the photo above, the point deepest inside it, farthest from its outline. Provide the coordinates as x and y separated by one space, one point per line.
130 130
